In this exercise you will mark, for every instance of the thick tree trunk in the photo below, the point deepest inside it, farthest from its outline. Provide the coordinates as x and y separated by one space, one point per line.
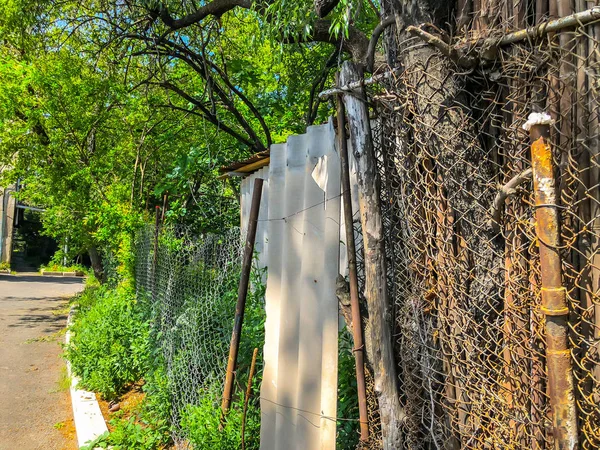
443 129
456 266
375 266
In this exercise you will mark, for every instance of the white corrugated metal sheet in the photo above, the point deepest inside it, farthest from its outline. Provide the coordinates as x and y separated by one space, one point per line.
298 237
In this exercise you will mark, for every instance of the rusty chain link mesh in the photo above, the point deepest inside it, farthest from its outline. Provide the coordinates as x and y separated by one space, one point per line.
470 338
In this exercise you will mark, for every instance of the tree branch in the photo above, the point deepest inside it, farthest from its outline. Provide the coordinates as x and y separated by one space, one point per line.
505 191
244 99
37 128
215 8
356 44
198 64
388 21
206 113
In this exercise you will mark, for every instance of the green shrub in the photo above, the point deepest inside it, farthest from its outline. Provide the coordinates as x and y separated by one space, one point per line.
113 346
156 407
51 267
128 435
347 430
56 264
200 425
109 345
148 427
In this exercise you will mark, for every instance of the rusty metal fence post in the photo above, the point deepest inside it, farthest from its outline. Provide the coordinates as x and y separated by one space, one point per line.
554 296
155 253
359 347
241 299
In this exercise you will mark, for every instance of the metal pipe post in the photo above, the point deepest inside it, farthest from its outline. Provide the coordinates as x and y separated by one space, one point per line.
554 295
155 254
242 293
164 207
247 397
359 347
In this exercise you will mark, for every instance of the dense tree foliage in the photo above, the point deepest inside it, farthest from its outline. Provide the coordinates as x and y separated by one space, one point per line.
106 106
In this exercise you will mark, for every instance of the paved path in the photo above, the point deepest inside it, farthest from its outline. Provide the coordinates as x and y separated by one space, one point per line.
33 404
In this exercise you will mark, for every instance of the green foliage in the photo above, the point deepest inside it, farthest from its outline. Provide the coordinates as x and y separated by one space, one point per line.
201 424
347 408
156 409
112 347
127 434
140 431
108 349
57 266
88 127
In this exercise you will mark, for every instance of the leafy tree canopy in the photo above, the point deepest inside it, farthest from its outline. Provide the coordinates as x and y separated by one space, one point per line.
107 106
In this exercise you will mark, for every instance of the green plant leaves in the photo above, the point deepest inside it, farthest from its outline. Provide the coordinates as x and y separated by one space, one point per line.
109 346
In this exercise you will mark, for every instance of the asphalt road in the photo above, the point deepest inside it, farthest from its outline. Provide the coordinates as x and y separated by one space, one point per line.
35 408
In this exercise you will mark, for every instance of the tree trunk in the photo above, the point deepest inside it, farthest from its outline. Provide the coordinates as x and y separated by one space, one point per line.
457 276
96 260
384 367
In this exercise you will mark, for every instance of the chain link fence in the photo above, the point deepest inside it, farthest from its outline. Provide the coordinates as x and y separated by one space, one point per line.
463 267
188 285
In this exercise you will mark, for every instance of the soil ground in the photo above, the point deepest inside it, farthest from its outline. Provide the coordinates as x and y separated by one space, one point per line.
36 408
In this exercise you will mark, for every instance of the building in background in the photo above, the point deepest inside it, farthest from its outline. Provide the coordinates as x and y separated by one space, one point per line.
8 208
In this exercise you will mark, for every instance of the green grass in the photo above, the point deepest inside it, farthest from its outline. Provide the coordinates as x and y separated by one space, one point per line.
53 267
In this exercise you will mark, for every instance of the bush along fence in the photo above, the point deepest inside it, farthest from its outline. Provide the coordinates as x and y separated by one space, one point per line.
187 287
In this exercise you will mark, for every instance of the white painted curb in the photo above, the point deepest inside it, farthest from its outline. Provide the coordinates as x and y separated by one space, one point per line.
89 422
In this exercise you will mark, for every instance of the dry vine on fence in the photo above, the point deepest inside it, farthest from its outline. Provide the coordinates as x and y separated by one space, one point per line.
459 219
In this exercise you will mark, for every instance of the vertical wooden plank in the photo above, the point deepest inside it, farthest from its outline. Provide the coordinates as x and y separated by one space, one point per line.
386 387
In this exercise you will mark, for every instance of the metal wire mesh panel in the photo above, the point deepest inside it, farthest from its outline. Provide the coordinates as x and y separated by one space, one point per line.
188 286
464 267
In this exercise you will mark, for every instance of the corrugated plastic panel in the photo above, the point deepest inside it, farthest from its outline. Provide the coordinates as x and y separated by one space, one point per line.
298 235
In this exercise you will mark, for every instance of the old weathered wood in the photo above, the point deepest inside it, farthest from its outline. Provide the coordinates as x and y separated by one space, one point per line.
357 333
376 293
164 207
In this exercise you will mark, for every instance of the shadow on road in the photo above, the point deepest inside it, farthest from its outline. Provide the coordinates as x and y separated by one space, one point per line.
40 279
53 322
